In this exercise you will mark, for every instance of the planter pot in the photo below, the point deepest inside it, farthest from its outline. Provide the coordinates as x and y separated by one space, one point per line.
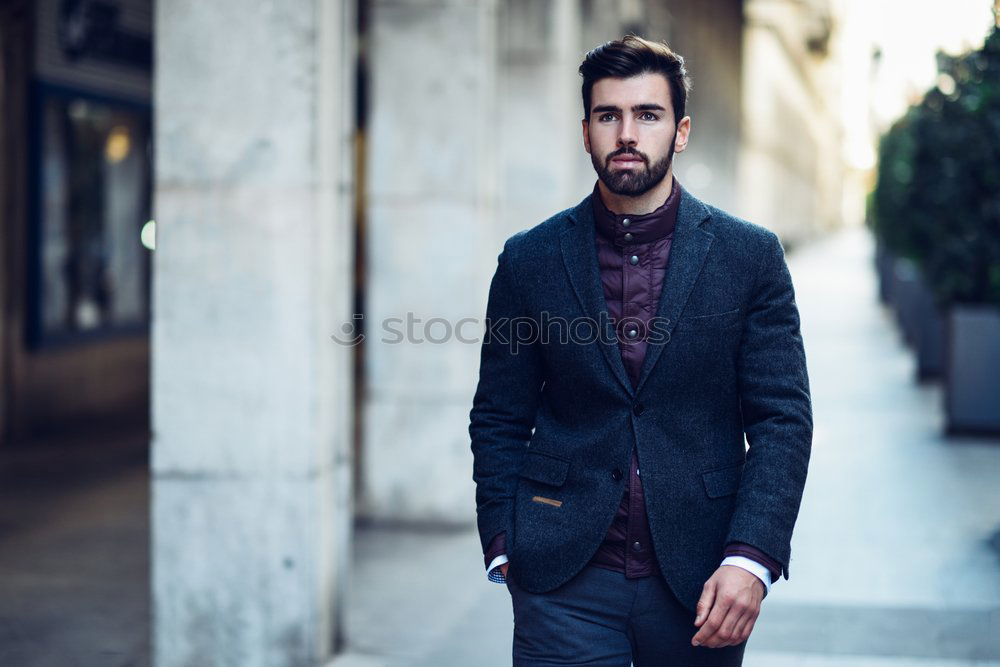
929 321
972 370
884 262
905 279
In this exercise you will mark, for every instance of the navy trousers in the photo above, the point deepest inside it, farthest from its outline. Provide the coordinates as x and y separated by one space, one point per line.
599 617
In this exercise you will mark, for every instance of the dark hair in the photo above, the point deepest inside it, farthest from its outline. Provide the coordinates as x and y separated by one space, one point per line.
631 56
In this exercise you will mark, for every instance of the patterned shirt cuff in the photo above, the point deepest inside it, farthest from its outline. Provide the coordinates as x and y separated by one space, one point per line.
495 574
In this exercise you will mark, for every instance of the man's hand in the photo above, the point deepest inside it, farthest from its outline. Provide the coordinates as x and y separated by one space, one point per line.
728 607
503 568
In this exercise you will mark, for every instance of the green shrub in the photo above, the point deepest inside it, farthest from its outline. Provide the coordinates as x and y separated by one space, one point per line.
937 195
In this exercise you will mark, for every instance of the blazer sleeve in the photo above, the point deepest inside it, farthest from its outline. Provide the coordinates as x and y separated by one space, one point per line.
776 410
505 403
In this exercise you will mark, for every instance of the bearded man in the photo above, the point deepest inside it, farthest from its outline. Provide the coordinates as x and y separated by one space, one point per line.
616 496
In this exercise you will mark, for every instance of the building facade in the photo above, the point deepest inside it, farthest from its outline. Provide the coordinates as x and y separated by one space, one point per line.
252 230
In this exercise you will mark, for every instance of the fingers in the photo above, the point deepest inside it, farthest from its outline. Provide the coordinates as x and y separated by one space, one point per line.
729 623
503 568
731 632
704 605
720 609
745 626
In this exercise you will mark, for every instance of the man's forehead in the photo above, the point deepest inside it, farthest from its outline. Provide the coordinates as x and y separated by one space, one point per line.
640 89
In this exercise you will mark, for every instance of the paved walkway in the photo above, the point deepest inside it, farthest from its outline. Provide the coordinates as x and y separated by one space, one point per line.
74 552
891 564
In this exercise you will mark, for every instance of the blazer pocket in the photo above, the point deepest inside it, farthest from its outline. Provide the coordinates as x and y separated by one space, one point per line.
722 481
712 321
544 467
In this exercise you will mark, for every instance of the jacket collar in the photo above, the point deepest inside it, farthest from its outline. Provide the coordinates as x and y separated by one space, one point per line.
623 229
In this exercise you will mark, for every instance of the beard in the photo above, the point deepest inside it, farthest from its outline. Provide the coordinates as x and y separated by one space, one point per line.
632 182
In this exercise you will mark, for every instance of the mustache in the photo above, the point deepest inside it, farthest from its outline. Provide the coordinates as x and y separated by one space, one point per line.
626 150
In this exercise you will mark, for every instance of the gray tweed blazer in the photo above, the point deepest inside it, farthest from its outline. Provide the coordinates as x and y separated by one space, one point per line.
554 417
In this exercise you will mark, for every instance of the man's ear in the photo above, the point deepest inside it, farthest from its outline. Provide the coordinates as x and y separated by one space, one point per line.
586 135
682 134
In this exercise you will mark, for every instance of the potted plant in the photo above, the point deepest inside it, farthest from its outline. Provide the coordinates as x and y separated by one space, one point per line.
904 234
957 189
937 203
884 259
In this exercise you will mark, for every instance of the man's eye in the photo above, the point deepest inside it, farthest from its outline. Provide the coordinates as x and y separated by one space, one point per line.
607 117
646 115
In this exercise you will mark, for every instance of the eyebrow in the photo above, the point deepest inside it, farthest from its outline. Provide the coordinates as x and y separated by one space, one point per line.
638 107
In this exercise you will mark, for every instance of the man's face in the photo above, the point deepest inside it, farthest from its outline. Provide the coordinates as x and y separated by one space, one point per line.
630 133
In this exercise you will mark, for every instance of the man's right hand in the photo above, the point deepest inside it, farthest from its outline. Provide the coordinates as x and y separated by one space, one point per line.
503 568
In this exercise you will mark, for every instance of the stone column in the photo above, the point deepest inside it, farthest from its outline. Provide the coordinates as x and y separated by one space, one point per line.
431 211
250 456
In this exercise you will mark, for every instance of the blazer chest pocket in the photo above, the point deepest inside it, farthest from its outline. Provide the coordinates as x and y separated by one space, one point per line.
544 467
722 481
710 322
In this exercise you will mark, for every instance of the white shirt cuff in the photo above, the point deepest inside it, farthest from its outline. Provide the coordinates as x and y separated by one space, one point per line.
752 566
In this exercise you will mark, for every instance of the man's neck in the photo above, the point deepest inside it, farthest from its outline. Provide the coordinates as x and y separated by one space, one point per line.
644 203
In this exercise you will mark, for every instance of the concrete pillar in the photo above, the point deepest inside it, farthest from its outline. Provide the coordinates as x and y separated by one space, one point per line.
250 457
431 211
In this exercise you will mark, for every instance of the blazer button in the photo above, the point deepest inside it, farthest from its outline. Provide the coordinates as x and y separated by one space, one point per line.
636 546
616 474
638 409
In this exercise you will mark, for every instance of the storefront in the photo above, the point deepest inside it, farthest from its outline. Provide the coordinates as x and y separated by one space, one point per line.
77 229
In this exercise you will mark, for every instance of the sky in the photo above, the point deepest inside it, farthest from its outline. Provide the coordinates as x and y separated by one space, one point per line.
908 34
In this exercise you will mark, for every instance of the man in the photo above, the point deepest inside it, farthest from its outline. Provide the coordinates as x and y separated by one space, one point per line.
632 341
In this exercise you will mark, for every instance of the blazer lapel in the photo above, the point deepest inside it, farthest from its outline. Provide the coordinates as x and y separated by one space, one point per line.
579 251
687 254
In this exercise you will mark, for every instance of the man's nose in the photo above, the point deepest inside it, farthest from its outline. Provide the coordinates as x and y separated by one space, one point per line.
626 132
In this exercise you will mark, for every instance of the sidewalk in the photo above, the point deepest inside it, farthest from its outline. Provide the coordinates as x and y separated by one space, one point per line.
74 551
891 564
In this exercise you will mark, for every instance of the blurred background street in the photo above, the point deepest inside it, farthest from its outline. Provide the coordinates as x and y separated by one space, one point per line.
891 562
886 573
237 240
